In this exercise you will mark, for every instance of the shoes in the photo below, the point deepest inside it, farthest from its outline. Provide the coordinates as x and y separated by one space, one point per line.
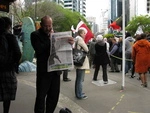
111 71
117 71
144 85
67 80
105 82
132 76
94 79
84 97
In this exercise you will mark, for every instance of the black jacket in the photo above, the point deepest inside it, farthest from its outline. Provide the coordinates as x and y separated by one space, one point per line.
41 44
101 56
10 54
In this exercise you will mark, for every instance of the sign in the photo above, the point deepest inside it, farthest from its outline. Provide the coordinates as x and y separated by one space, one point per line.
4 6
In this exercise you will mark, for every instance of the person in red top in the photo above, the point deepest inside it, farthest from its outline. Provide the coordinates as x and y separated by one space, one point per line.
140 56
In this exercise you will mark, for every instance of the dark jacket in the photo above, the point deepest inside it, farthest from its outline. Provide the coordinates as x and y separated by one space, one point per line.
10 59
41 44
101 56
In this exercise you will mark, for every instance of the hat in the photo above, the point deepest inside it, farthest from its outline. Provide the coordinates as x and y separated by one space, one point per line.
99 38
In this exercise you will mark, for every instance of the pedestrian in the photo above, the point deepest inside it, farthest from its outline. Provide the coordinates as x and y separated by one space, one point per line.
47 83
101 58
129 41
10 55
65 76
92 51
114 55
140 56
80 70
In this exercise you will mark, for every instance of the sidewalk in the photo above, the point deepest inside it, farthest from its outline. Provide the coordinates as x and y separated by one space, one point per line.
101 98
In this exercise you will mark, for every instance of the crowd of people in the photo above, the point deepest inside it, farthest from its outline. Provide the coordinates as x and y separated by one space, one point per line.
102 52
137 53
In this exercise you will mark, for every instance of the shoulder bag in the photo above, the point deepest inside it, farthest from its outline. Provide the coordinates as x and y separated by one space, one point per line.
78 56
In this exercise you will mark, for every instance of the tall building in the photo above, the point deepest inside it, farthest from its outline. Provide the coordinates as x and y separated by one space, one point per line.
76 5
73 5
70 4
116 9
60 2
81 7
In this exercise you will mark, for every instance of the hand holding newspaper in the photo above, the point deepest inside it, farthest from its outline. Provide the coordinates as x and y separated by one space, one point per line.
60 52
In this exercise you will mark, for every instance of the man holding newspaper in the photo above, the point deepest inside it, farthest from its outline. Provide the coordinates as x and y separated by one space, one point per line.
47 83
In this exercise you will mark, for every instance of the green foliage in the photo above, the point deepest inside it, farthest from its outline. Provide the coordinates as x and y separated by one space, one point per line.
144 21
108 35
63 19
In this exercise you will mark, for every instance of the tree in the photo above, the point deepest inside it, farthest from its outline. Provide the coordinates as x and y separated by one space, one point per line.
143 21
63 19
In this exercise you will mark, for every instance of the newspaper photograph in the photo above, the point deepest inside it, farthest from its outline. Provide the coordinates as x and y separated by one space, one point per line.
61 57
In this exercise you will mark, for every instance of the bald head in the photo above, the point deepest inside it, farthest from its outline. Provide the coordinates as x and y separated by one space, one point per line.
46 24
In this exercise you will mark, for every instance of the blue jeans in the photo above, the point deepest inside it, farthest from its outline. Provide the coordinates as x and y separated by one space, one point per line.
80 73
128 63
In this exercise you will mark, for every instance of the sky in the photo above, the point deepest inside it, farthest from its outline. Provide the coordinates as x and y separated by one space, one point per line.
95 8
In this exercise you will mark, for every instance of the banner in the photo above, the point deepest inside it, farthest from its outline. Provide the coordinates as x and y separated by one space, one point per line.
89 34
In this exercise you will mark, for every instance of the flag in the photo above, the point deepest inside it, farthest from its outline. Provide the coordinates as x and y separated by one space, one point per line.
139 30
114 26
119 21
117 24
72 29
89 34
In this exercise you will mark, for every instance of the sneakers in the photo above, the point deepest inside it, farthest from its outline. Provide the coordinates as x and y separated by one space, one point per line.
105 82
132 76
84 97
66 79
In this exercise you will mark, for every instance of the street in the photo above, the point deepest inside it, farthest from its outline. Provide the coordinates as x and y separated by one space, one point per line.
102 98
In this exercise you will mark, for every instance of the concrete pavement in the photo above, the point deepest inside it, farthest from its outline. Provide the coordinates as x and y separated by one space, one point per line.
101 98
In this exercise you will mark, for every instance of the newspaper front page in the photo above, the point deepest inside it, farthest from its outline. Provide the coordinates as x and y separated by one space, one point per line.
61 57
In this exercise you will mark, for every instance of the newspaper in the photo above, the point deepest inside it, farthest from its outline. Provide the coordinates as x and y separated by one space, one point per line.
61 57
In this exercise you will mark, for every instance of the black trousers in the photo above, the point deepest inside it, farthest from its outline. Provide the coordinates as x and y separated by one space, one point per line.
104 69
47 92
65 74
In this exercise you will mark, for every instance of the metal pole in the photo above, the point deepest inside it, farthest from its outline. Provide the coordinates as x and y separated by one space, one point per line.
123 30
35 10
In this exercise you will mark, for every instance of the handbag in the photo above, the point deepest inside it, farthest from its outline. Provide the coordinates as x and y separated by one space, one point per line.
78 56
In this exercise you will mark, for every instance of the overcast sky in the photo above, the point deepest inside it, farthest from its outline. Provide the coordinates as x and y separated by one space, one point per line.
95 7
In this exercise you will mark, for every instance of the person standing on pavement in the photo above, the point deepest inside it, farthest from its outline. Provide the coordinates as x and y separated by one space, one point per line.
47 83
80 71
114 53
65 76
92 51
10 55
129 41
140 56
101 58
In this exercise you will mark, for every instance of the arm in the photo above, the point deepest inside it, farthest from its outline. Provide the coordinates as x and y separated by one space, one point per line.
133 55
82 44
114 49
40 44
